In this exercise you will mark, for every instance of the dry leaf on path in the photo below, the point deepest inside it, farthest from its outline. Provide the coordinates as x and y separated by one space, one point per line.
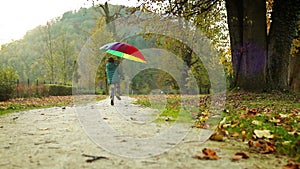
291 165
239 155
242 154
262 146
236 158
209 154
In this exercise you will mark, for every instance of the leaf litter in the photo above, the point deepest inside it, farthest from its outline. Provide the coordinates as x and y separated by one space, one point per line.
267 123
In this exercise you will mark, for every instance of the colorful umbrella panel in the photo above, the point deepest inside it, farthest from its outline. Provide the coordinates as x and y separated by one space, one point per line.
124 50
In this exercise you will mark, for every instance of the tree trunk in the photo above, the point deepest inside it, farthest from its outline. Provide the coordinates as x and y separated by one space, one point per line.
248 32
235 25
282 32
294 80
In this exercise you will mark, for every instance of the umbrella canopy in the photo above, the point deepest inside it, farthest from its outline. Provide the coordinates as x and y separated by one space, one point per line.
124 50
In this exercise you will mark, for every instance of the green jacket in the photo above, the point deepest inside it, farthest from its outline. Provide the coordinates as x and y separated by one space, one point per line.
113 74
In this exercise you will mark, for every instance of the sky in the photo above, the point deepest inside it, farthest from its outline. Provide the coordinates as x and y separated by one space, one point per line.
19 16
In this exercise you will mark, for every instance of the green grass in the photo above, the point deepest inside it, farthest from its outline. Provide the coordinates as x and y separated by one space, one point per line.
279 113
171 110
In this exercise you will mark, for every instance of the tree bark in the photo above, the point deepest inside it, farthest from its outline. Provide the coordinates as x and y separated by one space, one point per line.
282 32
294 80
235 25
248 33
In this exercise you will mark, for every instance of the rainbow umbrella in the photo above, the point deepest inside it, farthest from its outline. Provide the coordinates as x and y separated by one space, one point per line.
124 50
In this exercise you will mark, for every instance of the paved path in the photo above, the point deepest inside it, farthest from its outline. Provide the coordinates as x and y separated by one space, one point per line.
126 135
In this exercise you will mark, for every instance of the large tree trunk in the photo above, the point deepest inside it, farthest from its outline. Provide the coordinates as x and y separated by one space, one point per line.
235 25
248 32
282 32
294 80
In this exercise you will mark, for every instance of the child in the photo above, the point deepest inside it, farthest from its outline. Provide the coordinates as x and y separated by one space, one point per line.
113 77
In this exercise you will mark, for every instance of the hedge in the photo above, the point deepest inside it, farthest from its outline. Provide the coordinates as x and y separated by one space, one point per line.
59 90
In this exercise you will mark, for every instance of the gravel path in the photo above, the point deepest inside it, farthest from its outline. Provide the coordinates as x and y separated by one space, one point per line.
120 136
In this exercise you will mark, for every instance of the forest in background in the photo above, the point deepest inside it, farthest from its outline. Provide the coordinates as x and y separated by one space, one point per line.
49 53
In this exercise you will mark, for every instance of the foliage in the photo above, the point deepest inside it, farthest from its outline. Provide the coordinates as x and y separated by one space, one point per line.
279 18
8 79
208 16
59 90
150 79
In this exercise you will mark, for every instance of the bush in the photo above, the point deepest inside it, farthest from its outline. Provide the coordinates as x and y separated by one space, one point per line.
59 90
8 78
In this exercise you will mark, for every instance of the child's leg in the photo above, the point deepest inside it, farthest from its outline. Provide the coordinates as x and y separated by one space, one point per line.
112 91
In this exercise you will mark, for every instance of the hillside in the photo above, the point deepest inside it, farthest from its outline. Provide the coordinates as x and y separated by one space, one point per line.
48 52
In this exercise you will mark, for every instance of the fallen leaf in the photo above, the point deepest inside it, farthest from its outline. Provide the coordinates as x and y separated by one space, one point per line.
274 120
216 137
252 111
235 134
291 165
236 158
226 125
256 122
209 154
243 135
208 151
286 142
263 133
242 154
262 146
222 122
283 115
234 125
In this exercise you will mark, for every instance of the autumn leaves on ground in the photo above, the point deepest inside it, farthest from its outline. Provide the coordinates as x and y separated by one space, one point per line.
268 123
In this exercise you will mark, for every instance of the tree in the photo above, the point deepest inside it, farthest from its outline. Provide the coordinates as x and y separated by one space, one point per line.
260 60
8 78
284 27
210 23
49 53
294 68
248 37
